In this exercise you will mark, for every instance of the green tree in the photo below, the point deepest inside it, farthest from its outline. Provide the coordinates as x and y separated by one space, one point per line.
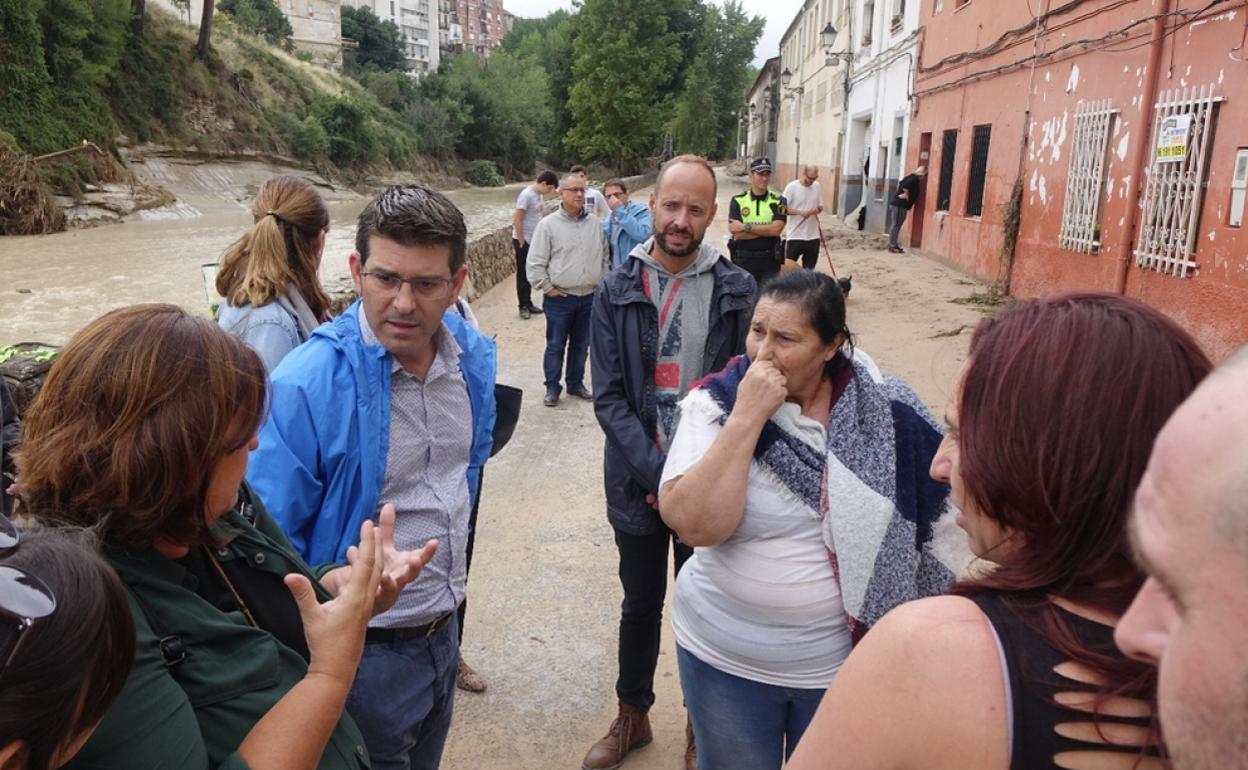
259 17
697 113
706 114
25 85
624 54
379 43
548 42
506 107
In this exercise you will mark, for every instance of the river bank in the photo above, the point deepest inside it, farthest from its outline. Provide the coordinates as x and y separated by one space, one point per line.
54 284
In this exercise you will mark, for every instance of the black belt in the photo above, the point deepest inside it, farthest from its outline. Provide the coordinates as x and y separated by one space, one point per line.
388 635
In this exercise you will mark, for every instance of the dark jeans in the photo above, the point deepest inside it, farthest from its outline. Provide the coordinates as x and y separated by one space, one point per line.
807 251
899 217
643 573
763 265
567 328
524 292
403 697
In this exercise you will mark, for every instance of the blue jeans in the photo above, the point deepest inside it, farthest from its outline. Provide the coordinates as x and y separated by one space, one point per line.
403 697
740 724
567 327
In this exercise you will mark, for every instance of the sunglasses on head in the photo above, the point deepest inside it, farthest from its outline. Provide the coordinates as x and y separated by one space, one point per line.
24 598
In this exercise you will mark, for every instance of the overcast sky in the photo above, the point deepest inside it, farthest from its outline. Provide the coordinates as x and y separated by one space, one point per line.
777 12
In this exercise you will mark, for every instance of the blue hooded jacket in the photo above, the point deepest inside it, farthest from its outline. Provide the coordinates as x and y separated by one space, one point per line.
322 457
626 227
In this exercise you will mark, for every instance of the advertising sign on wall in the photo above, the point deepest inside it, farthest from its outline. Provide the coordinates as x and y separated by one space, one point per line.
1172 141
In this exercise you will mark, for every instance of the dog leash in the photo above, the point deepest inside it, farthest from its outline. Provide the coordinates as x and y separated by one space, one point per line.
824 242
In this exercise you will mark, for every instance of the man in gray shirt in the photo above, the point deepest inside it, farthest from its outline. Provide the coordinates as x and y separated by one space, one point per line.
567 259
391 403
530 205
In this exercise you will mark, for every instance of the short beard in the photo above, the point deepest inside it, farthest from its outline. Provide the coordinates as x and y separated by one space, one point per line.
694 244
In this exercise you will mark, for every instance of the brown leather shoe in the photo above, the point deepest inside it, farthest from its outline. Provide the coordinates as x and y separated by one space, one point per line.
691 748
468 680
630 730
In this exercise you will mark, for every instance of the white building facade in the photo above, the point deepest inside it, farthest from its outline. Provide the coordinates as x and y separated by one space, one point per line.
810 125
761 103
885 47
418 21
316 25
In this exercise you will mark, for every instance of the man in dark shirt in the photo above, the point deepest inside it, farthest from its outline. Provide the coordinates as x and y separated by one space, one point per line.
903 200
756 218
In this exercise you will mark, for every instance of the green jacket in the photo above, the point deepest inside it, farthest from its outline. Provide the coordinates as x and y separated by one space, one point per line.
195 715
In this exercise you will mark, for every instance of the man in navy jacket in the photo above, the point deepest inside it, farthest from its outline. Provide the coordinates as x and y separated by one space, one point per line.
674 311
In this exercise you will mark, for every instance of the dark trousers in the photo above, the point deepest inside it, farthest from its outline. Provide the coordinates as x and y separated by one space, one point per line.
567 329
806 251
763 265
524 292
899 218
643 573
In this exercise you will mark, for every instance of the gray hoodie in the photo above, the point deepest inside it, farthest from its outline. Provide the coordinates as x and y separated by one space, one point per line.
568 253
683 301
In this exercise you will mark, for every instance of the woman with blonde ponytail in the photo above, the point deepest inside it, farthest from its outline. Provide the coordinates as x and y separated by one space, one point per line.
273 299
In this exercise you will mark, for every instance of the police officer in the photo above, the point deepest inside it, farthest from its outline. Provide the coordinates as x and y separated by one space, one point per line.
756 218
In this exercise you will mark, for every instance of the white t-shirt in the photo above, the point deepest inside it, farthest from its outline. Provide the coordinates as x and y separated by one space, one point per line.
530 202
763 605
802 198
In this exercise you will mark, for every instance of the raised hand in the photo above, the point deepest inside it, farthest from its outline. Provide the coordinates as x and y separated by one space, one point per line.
398 567
335 629
762 391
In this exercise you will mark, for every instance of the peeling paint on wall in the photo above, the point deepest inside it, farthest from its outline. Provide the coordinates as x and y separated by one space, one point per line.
1073 81
1044 193
1121 151
1053 137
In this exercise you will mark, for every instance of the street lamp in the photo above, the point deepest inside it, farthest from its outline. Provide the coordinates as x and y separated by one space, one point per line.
786 77
828 39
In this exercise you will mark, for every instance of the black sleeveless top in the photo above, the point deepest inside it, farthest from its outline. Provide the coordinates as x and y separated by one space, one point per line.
1035 686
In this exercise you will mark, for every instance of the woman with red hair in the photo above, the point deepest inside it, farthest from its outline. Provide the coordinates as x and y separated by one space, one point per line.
1048 435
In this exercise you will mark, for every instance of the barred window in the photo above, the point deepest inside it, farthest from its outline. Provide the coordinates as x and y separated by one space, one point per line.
979 170
948 149
1174 188
1085 181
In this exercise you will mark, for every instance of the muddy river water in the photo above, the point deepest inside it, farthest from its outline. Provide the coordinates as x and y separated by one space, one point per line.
52 285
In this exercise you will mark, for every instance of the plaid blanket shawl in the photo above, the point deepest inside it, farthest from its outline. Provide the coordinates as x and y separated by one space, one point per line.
887 525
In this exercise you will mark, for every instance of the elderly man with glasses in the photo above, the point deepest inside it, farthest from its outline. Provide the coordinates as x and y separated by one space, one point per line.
567 258
390 404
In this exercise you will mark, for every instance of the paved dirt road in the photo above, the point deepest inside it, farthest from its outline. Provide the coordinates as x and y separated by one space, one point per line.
544 597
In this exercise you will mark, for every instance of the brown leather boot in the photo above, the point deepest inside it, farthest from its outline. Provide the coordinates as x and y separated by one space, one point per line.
630 730
691 748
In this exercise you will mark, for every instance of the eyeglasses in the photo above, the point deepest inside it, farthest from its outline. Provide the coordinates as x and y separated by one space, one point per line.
575 190
421 287
616 195
24 598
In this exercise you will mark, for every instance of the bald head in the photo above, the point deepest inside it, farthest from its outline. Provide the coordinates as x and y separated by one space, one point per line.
1204 447
682 160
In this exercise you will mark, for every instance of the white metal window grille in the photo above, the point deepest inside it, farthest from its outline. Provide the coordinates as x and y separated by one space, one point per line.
1085 182
1174 186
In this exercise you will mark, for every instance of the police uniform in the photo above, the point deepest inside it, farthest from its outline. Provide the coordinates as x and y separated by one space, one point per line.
760 257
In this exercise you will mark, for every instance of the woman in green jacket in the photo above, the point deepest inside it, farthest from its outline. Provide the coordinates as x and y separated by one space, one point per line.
244 657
